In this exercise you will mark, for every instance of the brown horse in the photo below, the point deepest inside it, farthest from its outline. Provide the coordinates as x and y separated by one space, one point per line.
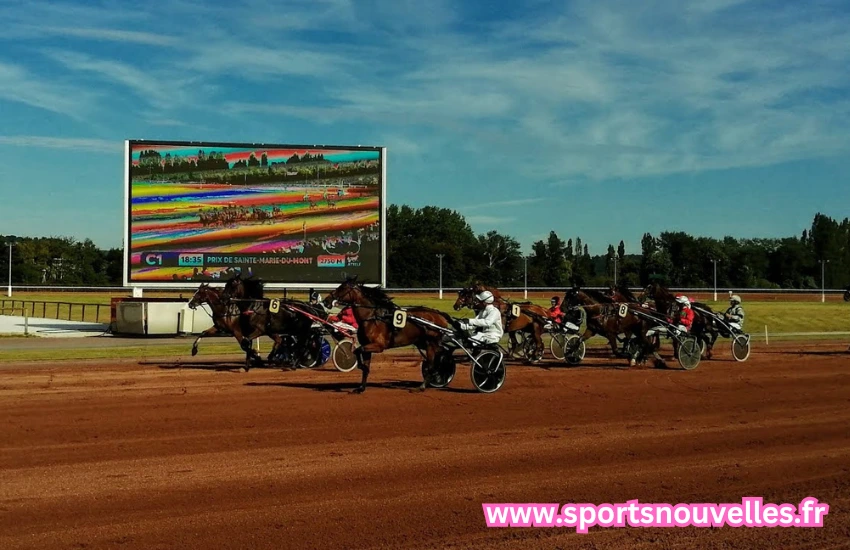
224 317
603 319
529 322
704 327
256 319
376 332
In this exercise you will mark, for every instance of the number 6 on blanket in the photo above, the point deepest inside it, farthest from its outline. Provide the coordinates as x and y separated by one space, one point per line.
274 306
399 318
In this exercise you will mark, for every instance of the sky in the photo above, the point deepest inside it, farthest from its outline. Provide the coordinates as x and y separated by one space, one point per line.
598 119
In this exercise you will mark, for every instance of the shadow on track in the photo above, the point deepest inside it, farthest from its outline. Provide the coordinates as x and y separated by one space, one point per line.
340 387
199 365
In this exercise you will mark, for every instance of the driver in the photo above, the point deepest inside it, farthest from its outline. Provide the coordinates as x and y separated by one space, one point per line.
555 313
344 320
735 314
487 321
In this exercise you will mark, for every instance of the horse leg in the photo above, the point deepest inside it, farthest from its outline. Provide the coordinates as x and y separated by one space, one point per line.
209 332
251 354
430 356
364 361
710 343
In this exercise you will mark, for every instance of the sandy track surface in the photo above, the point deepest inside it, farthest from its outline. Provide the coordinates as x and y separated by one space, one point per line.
198 455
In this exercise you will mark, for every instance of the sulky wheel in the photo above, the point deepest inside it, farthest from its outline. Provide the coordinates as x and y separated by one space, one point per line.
574 349
530 350
556 346
741 347
689 352
444 370
488 371
316 353
343 356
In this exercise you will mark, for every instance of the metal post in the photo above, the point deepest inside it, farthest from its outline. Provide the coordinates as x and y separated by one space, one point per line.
715 279
823 280
525 292
615 270
441 274
10 244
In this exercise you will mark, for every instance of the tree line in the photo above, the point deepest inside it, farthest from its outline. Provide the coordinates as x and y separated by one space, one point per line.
415 238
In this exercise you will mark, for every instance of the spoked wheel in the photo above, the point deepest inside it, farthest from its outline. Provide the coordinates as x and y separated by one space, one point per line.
530 350
445 367
556 346
574 349
488 371
741 347
343 356
702 346
689 353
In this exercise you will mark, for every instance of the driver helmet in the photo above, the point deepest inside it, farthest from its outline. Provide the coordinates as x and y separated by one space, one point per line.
555 300
683 300
734 299
314 296
485 297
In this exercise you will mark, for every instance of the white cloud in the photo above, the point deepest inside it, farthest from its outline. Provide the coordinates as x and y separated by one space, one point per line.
78 144
21 86
500 204
488 220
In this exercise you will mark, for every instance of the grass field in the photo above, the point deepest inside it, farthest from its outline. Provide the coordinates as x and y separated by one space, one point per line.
779 316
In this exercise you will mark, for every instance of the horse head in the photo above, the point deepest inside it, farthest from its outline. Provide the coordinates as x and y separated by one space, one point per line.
464 298
348 292
201 296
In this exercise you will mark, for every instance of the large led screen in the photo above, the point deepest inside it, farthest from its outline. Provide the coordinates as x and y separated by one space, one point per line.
291 215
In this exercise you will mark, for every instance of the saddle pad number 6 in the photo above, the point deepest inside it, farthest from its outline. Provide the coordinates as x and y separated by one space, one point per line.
274 306
515 310
624 310
399 318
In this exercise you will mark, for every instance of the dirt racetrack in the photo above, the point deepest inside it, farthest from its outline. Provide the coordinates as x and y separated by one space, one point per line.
196 456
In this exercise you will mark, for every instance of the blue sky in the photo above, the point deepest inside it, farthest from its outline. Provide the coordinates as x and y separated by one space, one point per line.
599 119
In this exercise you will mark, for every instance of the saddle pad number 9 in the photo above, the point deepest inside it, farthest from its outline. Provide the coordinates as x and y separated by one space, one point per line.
399 318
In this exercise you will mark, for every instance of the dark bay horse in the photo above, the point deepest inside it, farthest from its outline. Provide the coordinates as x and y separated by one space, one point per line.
256 319
374 311
224 316
704 327
530 322
604 320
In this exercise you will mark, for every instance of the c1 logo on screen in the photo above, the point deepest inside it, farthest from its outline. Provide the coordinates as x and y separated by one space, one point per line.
153 259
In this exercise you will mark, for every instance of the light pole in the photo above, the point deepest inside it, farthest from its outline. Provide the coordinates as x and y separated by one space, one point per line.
441 274
525 278
10 243
615 271
822 280
715 279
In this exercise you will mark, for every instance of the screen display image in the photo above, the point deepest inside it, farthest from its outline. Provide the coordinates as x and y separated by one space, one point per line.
291 215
